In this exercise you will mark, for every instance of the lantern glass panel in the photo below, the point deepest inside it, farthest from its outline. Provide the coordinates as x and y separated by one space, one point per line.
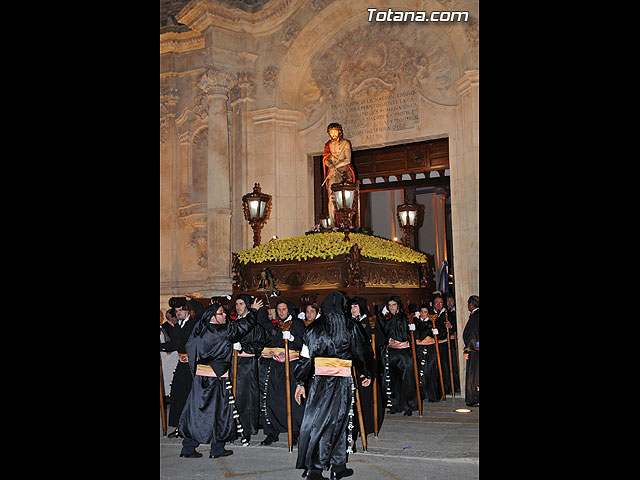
338 196
412 217
253 208
263 209
348 198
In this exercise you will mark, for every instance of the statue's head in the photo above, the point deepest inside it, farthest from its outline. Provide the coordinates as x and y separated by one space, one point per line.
335 131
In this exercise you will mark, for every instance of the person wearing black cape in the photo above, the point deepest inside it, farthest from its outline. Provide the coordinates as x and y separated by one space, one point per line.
182 377
249 348
471 337
398 358
359 313
273 416
332 345
209 415
430 388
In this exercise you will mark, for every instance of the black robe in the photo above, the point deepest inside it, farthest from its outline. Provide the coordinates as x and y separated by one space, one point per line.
471 337
454 348
430 388
248 387
208 415
399 374
329 408
273 414
366 393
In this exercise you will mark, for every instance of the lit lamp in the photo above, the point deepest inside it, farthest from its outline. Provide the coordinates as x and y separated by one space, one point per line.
256 207
345 201
325 221
408 219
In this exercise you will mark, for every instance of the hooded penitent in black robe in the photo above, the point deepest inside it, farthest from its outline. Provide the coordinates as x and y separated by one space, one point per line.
366 393
273 415
247 387
208 415
329 406
399 374
471 337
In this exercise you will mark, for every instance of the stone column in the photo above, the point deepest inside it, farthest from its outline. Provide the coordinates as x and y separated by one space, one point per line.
215 84
464 205
168 182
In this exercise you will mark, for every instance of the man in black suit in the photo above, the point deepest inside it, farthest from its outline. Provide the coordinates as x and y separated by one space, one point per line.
471 337
188 312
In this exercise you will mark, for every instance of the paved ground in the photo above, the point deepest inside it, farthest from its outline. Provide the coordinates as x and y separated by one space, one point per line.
441 444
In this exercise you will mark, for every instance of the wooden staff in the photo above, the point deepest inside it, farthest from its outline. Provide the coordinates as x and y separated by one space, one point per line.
235 371
453 388
363 435
372 324
415 365
285 326
163 414
433 317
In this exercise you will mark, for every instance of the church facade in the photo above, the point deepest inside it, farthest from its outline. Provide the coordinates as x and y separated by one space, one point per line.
247 89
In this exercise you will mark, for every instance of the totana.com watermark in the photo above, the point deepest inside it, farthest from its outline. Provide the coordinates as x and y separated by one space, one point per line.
391 16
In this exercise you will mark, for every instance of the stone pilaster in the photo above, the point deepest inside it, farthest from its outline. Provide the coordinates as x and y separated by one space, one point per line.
464 204
215 85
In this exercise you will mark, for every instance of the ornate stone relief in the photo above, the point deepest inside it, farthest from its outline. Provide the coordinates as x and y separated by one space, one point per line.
378 59
289 32
270 76
244 86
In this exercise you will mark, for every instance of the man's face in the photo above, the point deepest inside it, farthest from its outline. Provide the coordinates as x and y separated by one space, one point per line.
334 133
220 316
393 307
450 302
241 307
181 313
355 310
283 310
310 313
437 304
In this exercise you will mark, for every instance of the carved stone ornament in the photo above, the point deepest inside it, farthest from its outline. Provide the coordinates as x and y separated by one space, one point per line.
270 76
244 87
216 80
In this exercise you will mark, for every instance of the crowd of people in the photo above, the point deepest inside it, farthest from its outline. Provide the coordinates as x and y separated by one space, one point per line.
229 371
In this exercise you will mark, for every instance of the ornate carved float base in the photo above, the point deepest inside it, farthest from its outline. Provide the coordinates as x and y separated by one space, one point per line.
355 275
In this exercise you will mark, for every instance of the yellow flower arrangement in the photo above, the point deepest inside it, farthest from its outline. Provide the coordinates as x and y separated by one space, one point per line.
328 245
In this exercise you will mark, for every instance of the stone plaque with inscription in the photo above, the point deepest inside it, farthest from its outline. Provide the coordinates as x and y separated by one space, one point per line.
371 118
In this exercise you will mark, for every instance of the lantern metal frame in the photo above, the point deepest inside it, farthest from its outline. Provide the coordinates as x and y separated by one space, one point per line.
343 193
258 215
406 220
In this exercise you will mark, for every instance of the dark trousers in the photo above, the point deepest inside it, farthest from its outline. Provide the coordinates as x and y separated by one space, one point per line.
189 446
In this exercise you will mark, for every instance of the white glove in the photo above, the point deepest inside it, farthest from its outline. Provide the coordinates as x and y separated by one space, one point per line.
435 331
237 346
412 326
417 314
287 335
384 310
302 316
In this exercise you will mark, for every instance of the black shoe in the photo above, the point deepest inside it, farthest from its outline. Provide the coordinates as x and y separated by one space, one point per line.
269 440
316 475
191 455
174 434
473 404
225 453
305 474
407 413
347 472
294 441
